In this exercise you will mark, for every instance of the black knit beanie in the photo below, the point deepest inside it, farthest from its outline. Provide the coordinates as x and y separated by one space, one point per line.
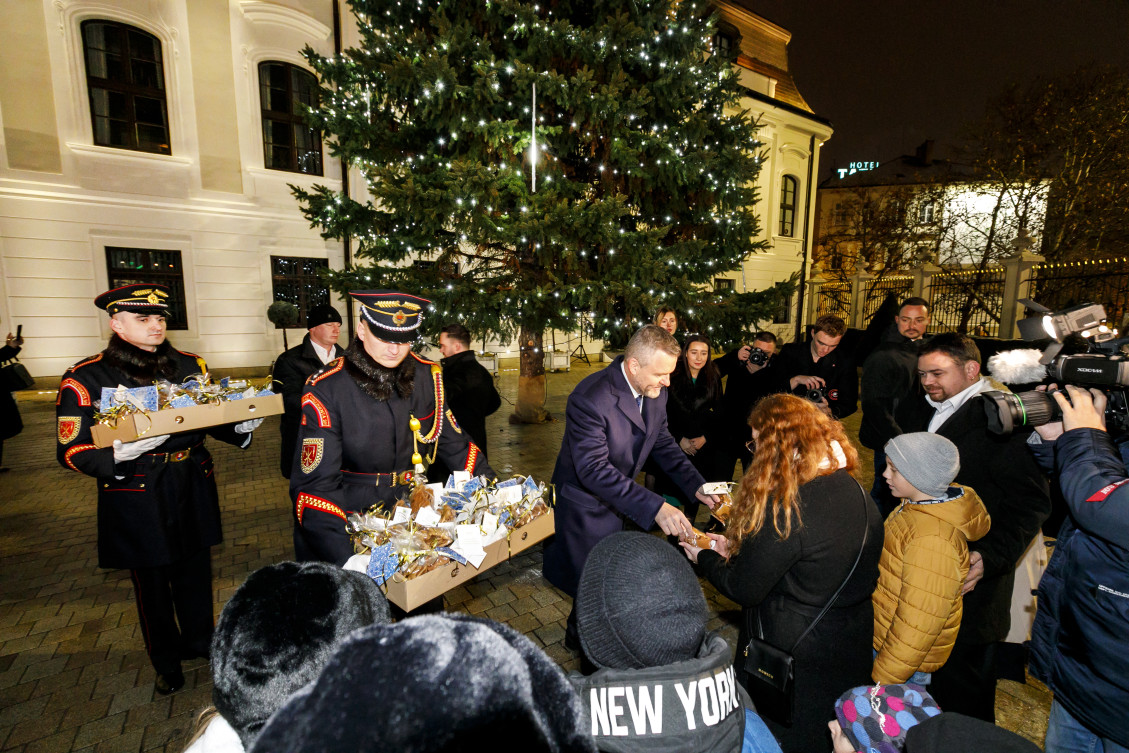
277 632
639 604
433 684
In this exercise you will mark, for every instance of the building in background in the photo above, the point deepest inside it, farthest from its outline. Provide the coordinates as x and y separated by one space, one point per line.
157 139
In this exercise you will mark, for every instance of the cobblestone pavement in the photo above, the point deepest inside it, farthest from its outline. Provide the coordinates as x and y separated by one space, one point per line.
73 671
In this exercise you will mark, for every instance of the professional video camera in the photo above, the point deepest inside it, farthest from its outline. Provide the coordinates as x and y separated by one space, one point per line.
1098 359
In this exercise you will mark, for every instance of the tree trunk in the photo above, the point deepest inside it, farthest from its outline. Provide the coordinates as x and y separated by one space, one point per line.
530 407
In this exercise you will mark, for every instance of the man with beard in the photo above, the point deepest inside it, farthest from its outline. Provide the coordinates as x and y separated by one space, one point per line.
368 421
158 508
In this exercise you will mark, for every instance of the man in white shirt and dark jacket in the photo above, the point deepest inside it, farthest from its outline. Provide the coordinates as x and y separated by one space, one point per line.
293 368
1002 471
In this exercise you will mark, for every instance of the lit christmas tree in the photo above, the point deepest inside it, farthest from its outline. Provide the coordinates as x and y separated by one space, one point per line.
568 165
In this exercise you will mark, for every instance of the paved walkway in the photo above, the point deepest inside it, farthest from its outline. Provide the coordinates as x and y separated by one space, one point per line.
73 671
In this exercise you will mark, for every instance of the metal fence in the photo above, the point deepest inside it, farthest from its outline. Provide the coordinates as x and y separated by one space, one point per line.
969 301
833 298
1104 281
877 290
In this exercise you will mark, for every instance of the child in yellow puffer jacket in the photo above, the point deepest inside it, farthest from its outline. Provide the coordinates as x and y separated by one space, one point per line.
917 603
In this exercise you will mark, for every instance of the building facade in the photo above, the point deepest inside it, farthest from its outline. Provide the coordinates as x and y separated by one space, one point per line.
157 139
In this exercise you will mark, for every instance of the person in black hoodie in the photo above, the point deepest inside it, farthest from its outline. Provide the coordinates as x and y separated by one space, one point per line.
293 368
750 376
642 622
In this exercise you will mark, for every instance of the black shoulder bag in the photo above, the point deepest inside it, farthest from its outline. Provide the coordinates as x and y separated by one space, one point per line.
771 670
14 376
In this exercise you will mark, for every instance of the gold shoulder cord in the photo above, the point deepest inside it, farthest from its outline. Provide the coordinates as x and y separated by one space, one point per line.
436 428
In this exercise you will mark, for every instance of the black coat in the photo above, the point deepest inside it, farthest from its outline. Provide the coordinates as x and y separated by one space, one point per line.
742 391
350 435
151 512
1004 473
837 369
291 370
471 394
889 376
10 422
791 580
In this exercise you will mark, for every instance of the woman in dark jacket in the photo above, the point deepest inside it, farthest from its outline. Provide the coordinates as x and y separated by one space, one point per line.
10 422
694 398
796 529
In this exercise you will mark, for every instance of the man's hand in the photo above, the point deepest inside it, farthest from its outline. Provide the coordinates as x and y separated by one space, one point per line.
811 382
711 500
698 443
671 520
687 445
1084 410
975 572
743 353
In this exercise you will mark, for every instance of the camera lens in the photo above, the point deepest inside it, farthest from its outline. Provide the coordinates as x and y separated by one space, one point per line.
1007 411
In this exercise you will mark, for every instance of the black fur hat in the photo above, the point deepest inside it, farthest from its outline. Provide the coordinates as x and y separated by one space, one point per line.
432 684
277 632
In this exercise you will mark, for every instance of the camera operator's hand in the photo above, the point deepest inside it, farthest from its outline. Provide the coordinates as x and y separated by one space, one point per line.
811 382
743 353
1084 410
975 572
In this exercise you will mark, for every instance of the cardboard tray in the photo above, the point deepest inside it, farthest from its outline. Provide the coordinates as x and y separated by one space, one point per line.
409 594
179 420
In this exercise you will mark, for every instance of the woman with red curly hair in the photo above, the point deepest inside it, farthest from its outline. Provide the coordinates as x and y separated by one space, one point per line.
795 531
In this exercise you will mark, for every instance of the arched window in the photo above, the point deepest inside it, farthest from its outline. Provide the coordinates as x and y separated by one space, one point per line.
285 91
788 188
126 81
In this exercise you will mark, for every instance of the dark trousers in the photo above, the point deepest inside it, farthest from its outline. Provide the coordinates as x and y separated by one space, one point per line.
967 682
174 603
880 491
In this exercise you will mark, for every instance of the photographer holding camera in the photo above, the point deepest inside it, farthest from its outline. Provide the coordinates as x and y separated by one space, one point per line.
749 375
1078 645
819 371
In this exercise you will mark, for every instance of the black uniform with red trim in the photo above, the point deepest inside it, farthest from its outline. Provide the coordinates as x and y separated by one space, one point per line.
163 506
157 515
357 444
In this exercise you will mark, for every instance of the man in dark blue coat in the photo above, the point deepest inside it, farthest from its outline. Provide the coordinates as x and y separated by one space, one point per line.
616 419
1078 641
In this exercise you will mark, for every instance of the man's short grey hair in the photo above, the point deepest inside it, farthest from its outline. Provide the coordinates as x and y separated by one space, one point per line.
649 340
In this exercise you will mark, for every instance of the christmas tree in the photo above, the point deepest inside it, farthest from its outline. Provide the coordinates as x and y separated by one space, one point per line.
537 165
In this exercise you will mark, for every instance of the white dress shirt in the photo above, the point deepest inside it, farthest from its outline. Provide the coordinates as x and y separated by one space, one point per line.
947 408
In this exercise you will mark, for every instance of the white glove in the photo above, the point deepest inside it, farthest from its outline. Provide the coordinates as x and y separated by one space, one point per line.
126 451
246 427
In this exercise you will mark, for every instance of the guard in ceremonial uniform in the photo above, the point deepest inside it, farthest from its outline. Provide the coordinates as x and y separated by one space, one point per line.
158 509
369 419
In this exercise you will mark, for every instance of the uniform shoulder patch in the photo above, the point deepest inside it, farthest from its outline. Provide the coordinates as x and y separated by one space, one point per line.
319 408
75 386
68 427
313 448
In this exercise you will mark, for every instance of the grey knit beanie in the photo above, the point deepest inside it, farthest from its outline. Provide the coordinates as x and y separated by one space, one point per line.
639 604
928 461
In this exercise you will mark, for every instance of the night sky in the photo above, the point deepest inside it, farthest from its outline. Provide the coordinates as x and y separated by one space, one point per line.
889 74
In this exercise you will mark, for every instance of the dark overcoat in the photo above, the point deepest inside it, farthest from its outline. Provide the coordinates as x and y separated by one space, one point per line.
10 422
291 370
471 394
606 441
159 508
350 442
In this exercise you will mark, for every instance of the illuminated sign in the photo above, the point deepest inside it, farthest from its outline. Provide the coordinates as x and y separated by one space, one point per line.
856 167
